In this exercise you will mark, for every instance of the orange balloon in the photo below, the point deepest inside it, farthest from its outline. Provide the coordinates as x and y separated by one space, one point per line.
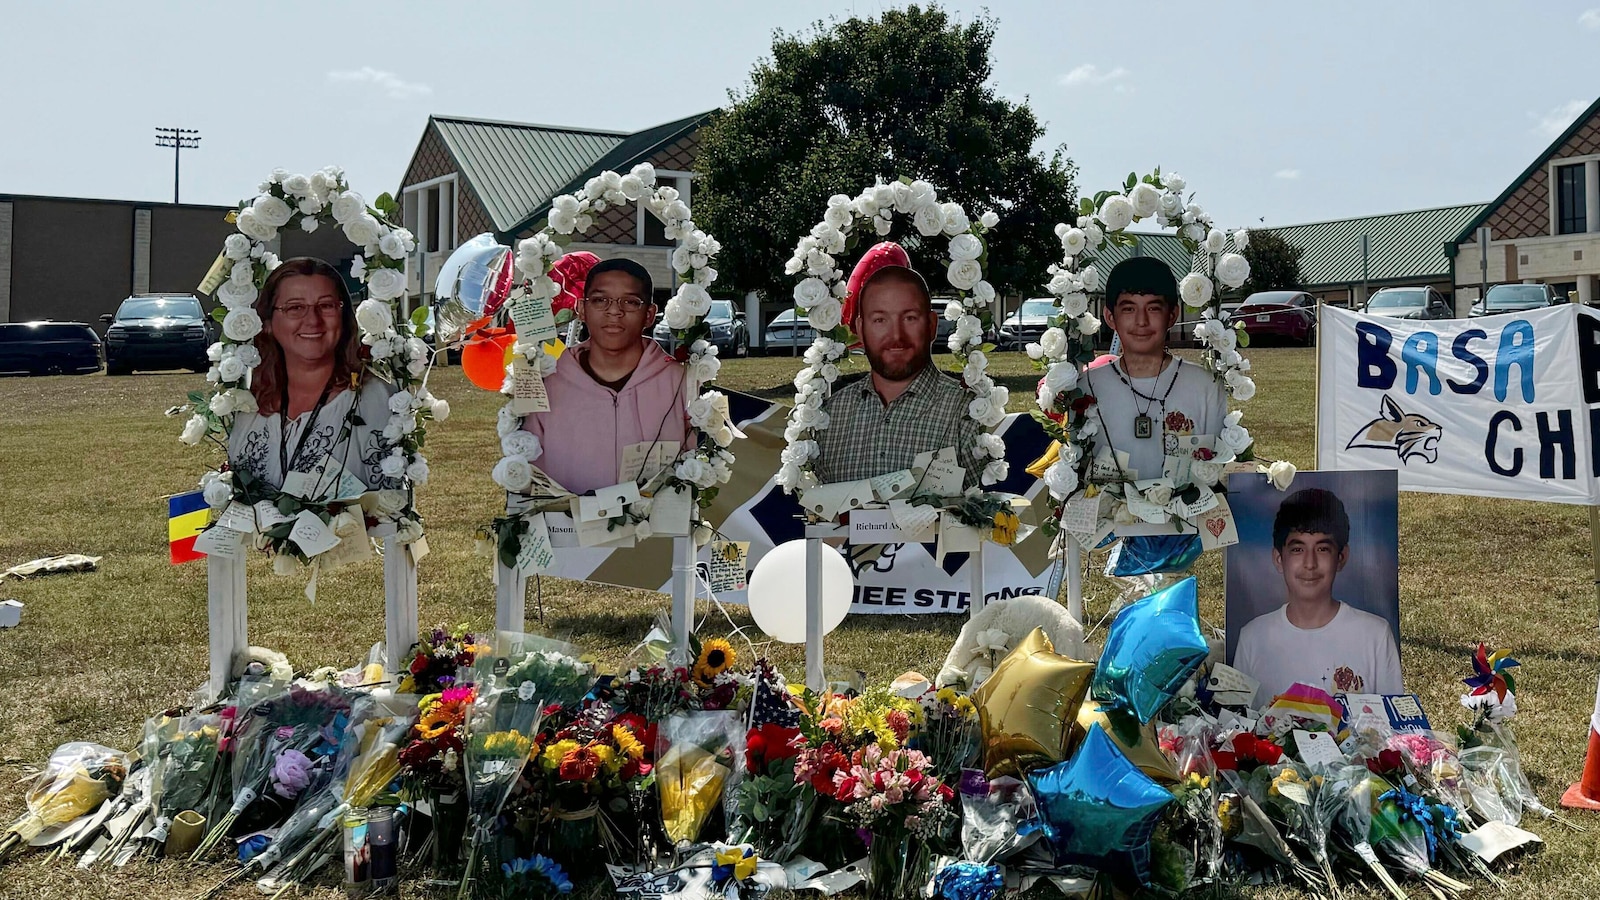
484 360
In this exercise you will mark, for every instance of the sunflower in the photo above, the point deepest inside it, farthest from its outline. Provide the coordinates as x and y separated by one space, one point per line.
434 723
716 657
627 742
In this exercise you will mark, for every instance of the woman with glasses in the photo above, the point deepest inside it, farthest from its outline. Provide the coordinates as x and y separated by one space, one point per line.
614 391
311 401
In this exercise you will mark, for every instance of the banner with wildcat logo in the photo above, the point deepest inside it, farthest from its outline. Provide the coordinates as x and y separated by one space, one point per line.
890 578
1498 406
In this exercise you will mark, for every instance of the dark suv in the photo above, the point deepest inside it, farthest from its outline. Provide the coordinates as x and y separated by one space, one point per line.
48 348
153 331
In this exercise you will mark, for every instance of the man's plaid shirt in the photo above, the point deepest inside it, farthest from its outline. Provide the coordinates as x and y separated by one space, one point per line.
866 438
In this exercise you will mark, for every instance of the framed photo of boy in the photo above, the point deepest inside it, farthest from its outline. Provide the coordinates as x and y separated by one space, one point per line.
1313 586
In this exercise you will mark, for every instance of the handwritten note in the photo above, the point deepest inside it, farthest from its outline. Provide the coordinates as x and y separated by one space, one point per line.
527 391
220 541
646 460
893 485
1082 515
938 471
729 567
268 517
1217 528
1107 468
670 511
536 554
349 550
919 523
1318 747
238 517
311 534
533 317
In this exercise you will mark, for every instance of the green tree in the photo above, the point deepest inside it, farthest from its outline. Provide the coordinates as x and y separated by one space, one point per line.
1274 263
906 94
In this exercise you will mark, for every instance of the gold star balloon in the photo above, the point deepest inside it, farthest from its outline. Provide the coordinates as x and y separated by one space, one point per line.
1028 707
1137 742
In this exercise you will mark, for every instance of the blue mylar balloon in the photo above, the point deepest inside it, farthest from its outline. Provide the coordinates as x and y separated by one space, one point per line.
969 881
1152 647
1097 809
1154 554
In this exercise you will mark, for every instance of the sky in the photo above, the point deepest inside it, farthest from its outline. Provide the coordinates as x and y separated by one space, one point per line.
1275 113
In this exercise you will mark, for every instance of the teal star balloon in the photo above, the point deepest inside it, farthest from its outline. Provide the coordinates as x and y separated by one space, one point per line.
1152 648
1097 809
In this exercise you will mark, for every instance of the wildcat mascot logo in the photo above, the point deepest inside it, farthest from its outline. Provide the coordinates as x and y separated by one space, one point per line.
1407 434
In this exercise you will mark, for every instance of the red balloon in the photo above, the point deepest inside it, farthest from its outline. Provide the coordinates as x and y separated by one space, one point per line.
483 360
498 287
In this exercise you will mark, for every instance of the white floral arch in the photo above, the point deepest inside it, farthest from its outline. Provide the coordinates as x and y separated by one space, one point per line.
394 351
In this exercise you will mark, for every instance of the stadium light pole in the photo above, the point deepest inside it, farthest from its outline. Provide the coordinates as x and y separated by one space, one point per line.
179 139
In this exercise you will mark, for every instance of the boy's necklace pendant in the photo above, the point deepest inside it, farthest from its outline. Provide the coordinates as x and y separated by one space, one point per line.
1143 426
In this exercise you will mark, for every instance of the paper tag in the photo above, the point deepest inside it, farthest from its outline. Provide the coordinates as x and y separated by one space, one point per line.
607 502
1206 502
533 317
267 516
893 485
729 566
536 554
918 523
1082 515
527 391
311 535
348 551
938 472
955 537
875 526
1318 747
563 531
302 485
220 541
1146 511
644 461
1217 528
1496 837
1227 678
671 510
543 485
238 517
827 501
419 550
1106 468
599 533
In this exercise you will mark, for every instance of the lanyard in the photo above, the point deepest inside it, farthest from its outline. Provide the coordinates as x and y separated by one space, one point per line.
285 458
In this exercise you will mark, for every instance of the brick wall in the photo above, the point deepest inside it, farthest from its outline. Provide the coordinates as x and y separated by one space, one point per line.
1526 213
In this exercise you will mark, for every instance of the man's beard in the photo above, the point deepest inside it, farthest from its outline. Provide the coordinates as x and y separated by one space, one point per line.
906 372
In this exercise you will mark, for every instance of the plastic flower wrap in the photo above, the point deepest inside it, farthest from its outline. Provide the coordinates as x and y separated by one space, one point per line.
531 665
773 811
949 732
998 816
499 729
697 757
1356 790
1402 829
184 769
76 780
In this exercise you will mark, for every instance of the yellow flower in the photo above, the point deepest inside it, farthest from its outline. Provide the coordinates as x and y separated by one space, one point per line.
1284 777
627 742
716 657
1005 528
551 758
1228 816
435 722
606 756
506 743
945 695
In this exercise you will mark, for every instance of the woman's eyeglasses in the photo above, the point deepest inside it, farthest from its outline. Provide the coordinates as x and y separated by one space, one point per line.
327 309
629 303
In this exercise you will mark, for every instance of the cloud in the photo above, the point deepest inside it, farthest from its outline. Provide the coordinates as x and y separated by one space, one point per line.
1090 74
1590 19
1555 121
1287 174
392 85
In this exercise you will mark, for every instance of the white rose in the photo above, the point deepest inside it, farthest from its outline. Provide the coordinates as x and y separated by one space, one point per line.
194 430
513 473
1233 436
298 185
233 295
252 226
1146 200
983 292
392 432
241 324
981 410
922 194
694 470
1053 342
963 274
955 219
882 224
363 230
522 444
825 316
348 206
989 219
1094 236
1061 479
928 220
1232 269
272 211
230 369
1195 289
400 403
996 471
393 244
441 410
990 445
417 472
1159 494
810 292
838 216
1171 205
240 400
1116 213
1174 182
1280 473
216 351
700 410
1241 239
1205 471
1216 240
236 246
1074 304
1240 385
678 316
385 284
374 316
1073 241
248 355
505 422
1087 324
1061 376
966 246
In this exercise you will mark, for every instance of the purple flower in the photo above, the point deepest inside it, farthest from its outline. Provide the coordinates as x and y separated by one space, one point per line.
291 772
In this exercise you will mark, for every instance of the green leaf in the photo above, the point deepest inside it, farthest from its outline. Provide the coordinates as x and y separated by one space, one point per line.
987 348
564 316
219 313
1133 179
419 316
1244 338
1085 207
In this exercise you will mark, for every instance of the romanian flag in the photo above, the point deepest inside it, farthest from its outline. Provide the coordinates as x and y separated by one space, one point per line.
187 516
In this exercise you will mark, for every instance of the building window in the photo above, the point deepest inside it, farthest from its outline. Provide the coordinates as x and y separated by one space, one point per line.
1571 216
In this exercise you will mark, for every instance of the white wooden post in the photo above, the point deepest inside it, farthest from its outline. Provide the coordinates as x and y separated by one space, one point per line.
975 562
683 591
1074 561
399 604
815 679
228 616
510 598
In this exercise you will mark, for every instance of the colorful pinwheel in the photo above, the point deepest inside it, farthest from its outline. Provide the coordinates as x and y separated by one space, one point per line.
1492 672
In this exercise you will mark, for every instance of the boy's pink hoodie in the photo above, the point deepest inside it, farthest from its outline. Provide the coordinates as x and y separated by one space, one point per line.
588 424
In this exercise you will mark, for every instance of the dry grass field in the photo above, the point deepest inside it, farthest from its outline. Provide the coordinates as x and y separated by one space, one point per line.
86 462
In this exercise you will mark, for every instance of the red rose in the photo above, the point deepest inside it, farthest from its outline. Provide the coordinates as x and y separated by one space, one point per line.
1082 404
755 752
1225 759
1204 454
420 664
1385 761
846 790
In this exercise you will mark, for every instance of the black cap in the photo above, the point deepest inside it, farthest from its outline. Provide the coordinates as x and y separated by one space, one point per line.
1141 275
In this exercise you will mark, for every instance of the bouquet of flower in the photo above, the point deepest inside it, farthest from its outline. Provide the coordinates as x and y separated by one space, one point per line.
949 732
772 809
590 776
494 759
183 771
1254 824
535 877
76 780
1402 828
430 768
274 759
697 755
1351 792
437 660
895 796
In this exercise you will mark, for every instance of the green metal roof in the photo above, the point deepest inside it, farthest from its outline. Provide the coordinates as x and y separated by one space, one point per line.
517 168
1402 246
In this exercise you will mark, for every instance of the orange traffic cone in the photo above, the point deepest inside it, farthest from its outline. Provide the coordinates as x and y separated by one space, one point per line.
1586 793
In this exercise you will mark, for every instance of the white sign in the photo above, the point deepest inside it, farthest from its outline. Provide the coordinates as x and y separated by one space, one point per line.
1498 406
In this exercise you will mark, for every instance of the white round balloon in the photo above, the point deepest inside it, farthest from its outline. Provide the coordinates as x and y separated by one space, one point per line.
778 591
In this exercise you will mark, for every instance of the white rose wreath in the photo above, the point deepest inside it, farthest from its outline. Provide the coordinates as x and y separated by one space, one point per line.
1066 411
394 351
819 295
702 468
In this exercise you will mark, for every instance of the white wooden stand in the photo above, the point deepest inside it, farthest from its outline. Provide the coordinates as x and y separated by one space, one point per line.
399 605
975 565
1073 554
683 591
510 598
815 679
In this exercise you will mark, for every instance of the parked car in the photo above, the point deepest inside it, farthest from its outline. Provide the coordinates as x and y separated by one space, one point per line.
1514 298
1181 334
1408 303
947 326
1289 315
1024 326
48 348
158 331
728 331
784 332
